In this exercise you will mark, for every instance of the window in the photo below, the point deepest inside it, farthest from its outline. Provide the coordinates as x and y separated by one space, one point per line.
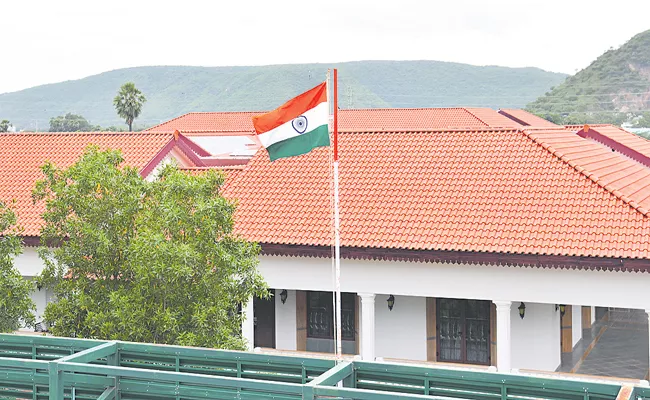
463 331
320 315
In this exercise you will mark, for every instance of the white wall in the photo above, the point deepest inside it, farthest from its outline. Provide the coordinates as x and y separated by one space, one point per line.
536 338
576 324
285 321
402 332
484 282
28 263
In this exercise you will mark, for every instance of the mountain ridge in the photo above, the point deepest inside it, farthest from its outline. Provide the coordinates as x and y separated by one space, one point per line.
614 88
175 90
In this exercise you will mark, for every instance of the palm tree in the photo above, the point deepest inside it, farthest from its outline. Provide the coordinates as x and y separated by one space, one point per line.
128 103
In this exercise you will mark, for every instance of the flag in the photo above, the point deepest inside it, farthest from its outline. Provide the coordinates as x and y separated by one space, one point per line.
297 126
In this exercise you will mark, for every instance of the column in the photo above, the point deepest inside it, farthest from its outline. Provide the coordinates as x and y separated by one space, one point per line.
248 324
648 313
367 326
504 344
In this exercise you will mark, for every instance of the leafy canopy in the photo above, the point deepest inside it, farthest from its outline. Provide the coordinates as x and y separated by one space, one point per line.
72 123
16 305
5 125
128 103
148 261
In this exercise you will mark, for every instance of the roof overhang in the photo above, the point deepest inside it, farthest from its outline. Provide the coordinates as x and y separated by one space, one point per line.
464 257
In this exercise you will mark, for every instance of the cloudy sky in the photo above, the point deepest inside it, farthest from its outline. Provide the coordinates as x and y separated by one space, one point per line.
45 41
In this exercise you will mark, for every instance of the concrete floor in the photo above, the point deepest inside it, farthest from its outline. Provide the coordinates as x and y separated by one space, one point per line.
616 346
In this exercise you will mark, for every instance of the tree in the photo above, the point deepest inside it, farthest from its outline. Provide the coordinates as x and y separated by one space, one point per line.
72 123
143 261
16 305
5 125
128 103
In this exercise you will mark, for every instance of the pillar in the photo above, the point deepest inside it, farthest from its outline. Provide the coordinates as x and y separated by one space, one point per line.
586 317
566 330
248 324
367 326
648 313
432 344
504 343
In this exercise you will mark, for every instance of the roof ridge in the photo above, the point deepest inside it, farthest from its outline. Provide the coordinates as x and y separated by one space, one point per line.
90 133
452 129
406 108
585 172
166 122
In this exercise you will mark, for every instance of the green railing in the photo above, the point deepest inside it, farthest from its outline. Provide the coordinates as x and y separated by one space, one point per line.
38 367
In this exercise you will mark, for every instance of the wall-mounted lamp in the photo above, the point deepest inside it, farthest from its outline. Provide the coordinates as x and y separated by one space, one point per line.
522 309
283 296
391 302
562 308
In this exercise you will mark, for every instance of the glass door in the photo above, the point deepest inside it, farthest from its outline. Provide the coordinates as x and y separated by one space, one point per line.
463 331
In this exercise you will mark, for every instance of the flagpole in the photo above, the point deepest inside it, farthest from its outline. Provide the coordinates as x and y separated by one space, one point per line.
337 222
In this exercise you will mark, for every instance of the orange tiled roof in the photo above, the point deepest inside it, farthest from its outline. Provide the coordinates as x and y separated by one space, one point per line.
22 154
526 118
198 123
374 119
493 119
539 191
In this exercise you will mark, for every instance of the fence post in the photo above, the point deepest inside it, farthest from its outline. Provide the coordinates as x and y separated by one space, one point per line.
56 381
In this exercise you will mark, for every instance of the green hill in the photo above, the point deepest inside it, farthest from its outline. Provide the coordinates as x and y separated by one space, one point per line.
174 90
613 89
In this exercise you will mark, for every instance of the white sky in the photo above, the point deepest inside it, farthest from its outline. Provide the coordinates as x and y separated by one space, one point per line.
45 41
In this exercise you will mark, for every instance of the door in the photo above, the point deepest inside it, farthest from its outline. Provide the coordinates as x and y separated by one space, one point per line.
264 331
463 331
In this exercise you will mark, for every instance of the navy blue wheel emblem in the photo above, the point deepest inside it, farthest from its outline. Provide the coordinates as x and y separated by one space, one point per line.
300 124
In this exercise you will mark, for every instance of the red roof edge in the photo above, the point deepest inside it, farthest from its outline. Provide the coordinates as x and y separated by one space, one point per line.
158 158
594 178
188 151
200 151
614 145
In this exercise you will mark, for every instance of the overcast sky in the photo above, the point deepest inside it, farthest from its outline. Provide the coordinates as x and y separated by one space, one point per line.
46 41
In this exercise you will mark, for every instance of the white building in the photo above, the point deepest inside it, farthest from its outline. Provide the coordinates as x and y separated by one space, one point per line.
494 245
494 235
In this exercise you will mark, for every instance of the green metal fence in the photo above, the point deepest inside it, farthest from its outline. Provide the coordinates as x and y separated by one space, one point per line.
38 367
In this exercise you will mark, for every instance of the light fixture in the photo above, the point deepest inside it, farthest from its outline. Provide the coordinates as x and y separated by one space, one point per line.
391 302
283 296
562 308
522 309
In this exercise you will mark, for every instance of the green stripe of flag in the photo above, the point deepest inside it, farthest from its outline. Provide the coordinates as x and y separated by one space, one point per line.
298 145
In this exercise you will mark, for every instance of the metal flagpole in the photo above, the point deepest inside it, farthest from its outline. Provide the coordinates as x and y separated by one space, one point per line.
330 126
337 222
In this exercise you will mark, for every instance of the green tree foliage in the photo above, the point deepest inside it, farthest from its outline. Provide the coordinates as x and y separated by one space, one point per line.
143 261
16 305
128 103
72 123
613 89
5 125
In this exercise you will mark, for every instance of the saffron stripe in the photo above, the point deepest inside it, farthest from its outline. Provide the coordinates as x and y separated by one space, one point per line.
291 109
298 145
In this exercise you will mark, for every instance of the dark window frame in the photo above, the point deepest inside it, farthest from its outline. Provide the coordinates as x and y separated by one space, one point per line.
464 359
323 302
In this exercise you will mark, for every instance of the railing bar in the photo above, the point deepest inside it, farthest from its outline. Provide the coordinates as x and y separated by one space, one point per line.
184 377
108 394
91 354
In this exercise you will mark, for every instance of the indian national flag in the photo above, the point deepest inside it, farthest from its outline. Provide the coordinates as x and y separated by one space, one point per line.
297 126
